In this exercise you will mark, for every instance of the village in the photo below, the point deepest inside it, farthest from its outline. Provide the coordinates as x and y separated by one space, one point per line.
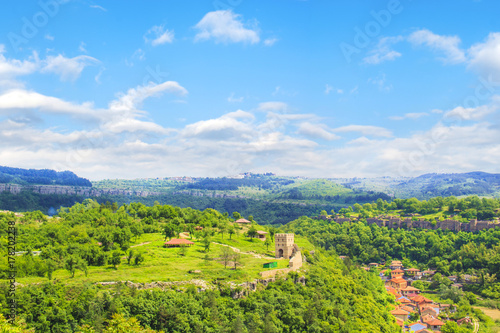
414 312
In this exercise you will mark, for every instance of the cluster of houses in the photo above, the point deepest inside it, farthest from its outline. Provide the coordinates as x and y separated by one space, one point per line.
411 304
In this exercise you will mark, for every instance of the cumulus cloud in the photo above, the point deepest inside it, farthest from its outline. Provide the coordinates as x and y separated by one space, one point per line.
16 99
448 45
485 57
68 69
383 51
316 131
158 35
224 26
476 113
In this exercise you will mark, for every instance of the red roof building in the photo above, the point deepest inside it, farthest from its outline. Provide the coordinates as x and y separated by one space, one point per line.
245 221
174 242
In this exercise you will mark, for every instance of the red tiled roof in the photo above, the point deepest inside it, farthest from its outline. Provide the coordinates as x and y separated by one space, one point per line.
434 322
410 288
177 241
242 221
398 271
413 270
397 280
260 232
399 312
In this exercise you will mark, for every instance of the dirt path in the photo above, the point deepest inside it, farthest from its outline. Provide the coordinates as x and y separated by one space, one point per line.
235 249
140 244
476 324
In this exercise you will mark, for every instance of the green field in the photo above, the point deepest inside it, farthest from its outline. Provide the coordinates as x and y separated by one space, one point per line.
168 264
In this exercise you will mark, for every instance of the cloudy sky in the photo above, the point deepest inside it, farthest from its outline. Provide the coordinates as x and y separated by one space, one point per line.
114 89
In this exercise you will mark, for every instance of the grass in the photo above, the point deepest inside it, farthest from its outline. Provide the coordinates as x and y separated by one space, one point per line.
166 264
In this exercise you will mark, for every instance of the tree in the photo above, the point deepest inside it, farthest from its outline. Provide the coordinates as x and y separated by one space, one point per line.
71 264
223 228
115 258
252 232
231 231
130 256
236 258
236 216
206 243
267 243
139 258
226 255
51 267
169 231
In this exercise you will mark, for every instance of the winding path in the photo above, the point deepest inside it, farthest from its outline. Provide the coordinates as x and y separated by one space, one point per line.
235 249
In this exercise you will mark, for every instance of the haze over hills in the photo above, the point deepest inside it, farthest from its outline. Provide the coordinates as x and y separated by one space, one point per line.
270 198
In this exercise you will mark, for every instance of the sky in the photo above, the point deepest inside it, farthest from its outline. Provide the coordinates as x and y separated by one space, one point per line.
137 89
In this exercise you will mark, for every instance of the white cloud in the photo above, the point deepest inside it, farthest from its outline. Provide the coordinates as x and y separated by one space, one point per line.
22 99
15 67
139 54
329 89
273 106
224 26
158 35
49 37
449 45
470 113
69 69
316 131
233 99
365 130
381 82
413 116
383 51
270 41
485 57
229 126
99 7
82 48
135 96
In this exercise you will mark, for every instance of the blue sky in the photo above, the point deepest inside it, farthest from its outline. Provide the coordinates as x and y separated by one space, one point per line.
133 89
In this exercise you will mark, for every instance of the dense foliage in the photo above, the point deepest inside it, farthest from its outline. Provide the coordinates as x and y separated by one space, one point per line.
450 253
335 298
41 177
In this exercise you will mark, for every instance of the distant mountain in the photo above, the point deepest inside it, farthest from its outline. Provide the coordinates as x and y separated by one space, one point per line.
430 185
455 184
41 177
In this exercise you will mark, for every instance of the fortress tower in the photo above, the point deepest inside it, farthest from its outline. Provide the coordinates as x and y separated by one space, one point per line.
283 244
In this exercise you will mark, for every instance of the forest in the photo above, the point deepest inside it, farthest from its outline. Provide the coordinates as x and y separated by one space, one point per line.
41 177
335 297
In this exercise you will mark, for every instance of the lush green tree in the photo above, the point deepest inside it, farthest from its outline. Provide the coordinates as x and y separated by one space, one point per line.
115 258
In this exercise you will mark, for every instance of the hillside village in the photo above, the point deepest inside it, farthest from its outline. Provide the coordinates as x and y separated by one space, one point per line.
413 311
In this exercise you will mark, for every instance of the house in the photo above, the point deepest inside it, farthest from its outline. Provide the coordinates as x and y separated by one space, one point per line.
412 271
417 327
458 285
397 273
400 314
373 264
400 323
428 273
176 242
261 234
396 264
425 330
397 283
243 221
428 310
434 324
342 257
410 290
465 320
453 278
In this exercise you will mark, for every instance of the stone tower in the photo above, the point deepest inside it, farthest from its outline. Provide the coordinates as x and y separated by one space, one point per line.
283 244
